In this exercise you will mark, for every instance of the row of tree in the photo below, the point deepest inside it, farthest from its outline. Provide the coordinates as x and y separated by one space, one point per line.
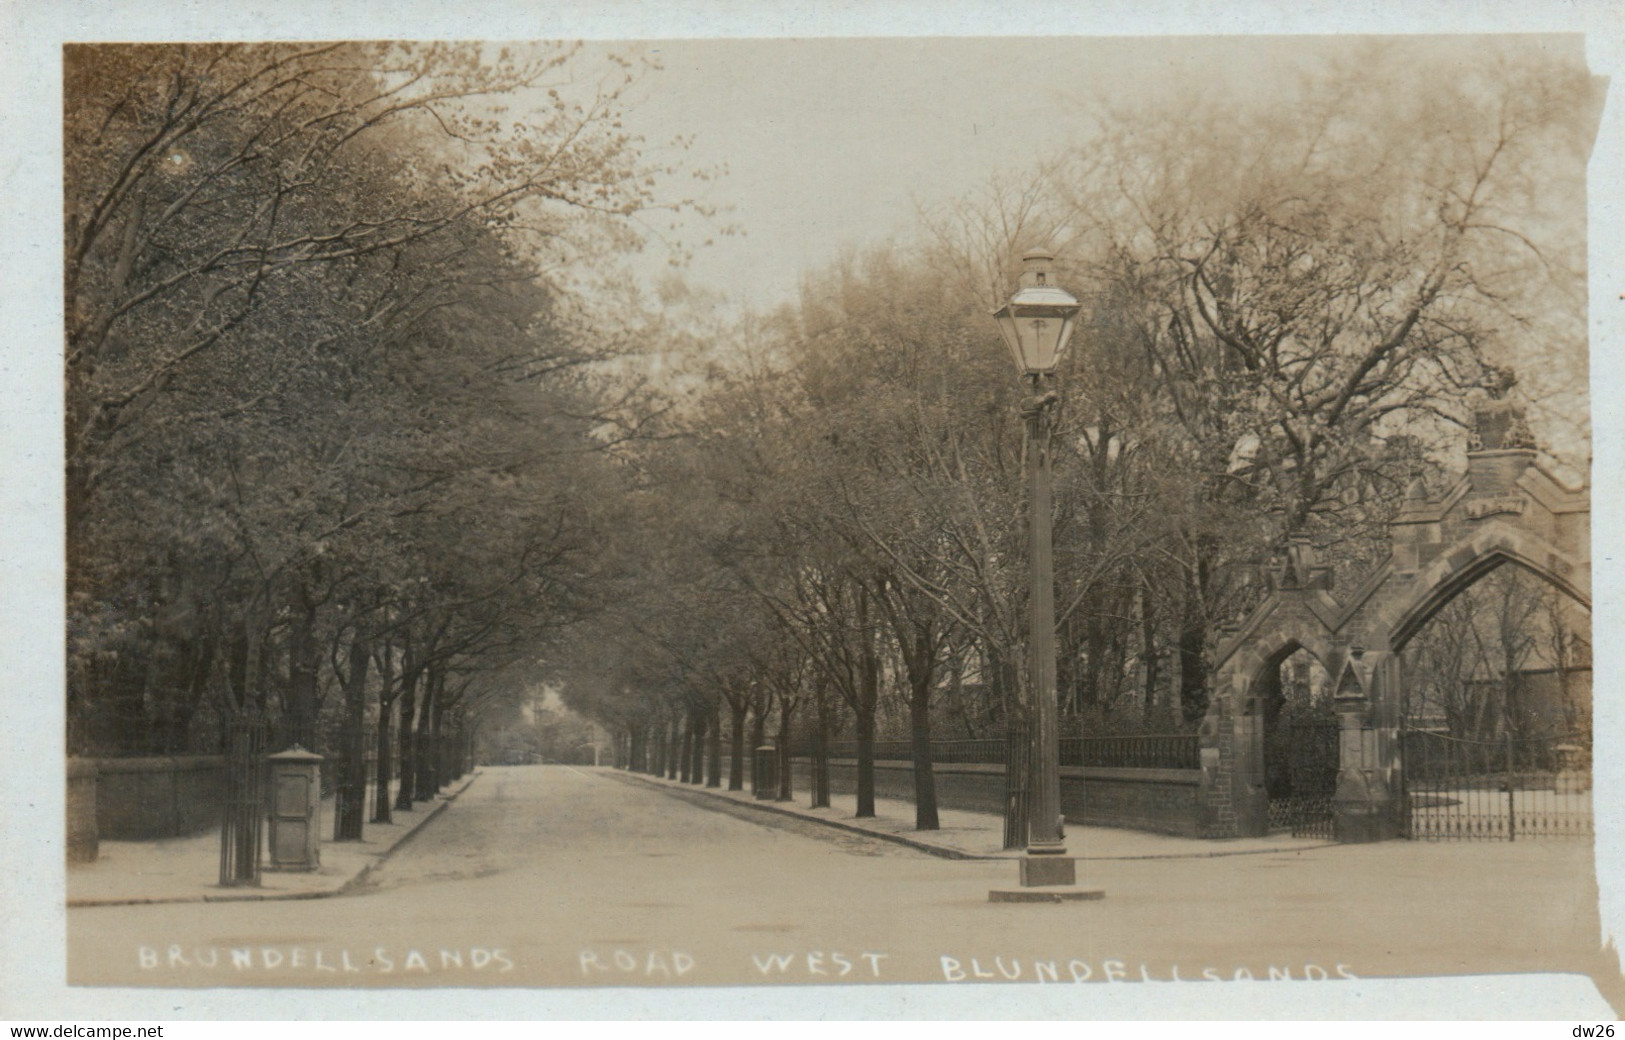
339 438
1287 316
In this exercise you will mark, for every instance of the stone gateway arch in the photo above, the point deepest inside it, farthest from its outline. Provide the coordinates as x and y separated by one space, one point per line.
1506 509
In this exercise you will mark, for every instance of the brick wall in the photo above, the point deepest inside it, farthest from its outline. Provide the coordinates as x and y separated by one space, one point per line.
1165 801
139 799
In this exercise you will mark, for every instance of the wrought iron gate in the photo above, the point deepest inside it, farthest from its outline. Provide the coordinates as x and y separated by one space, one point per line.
1300 775
1498 789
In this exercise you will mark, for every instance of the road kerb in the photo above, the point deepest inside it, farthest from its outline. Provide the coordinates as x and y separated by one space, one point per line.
935 848
340 888
366 871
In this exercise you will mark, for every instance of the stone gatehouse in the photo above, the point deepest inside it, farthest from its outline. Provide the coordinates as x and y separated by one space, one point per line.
1506 508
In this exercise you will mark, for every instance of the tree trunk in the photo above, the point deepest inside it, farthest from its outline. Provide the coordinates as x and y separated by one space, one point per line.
1155 714
820 767
449 735
437 740
406 743
787 712
925 781
423 754
454 745
1096 663
638 751
1004 702
698 723
386 706
736 763
185 692
758 737
674 735
383 768
820 743
423 786
685 749
299 722
202 670
713 748
81 706
868 696
350 804
1192 692
237 669
1192 643
866 763
920 660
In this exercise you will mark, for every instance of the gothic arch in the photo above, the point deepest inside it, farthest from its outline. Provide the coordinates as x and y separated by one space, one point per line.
1235 728
1470 559
1272 650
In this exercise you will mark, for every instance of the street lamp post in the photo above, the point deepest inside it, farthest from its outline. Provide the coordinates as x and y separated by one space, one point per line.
1037 323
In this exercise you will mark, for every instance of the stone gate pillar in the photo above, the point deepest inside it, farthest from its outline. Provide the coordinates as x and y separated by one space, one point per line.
1234 802
1252 800
1366 804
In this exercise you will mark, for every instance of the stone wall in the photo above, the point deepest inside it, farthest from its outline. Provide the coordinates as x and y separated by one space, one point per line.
81 811
1165 801
139 799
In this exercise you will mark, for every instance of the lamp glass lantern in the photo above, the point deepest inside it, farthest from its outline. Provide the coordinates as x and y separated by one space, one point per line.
1037 322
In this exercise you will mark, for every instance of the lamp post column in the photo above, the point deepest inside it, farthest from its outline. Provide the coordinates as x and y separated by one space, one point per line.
1045 837
1046 862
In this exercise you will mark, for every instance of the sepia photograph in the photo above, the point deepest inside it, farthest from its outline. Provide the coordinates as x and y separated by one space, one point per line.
889 524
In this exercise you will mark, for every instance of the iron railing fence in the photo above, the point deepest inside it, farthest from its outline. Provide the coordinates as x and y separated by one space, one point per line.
1140 751
1497 789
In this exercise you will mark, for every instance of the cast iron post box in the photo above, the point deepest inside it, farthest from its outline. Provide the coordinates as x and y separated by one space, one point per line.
765 775
296 804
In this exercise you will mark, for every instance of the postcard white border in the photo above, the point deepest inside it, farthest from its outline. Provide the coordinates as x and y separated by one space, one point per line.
32 934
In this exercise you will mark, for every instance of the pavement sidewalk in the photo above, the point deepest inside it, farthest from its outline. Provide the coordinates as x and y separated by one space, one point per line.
965 834
187 870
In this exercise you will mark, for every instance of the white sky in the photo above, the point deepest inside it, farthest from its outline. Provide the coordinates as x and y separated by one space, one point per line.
834 144
831 143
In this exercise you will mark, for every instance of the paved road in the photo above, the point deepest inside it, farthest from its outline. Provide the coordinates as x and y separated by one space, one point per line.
557 876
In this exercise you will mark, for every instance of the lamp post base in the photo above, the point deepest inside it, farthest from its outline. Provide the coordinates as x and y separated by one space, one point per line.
1048 870
1053 894
1046 879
